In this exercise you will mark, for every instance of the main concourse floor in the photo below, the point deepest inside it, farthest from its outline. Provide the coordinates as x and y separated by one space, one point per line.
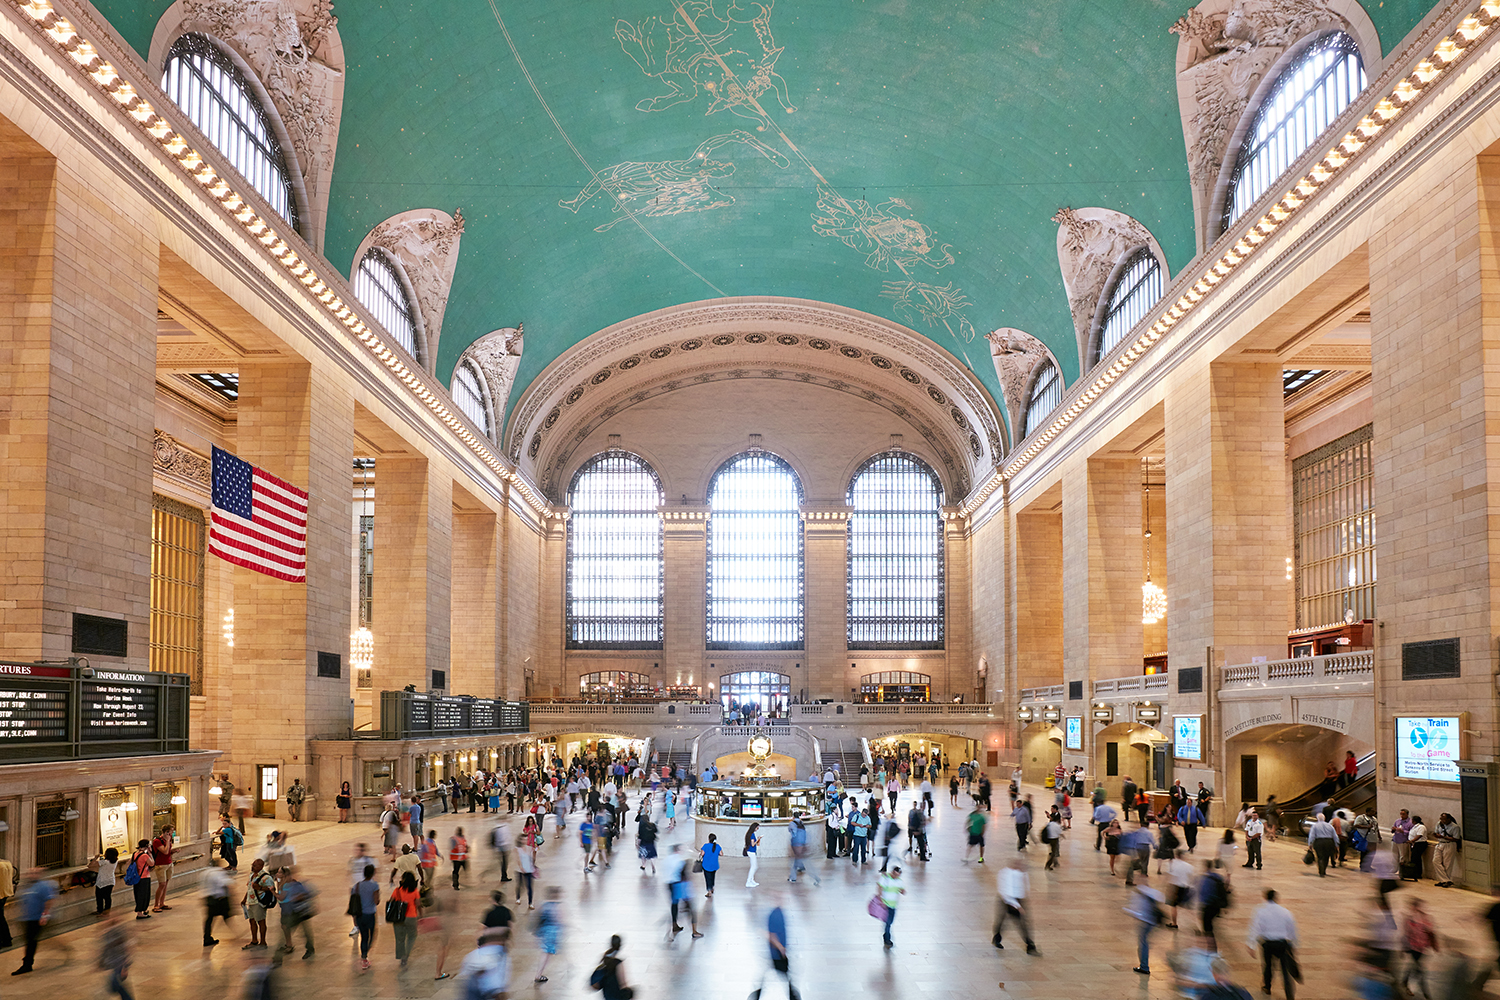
942 931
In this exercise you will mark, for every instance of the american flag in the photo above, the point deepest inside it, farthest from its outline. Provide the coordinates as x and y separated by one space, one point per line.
259 521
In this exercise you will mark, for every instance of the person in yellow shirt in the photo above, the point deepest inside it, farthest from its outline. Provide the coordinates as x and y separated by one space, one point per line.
7 889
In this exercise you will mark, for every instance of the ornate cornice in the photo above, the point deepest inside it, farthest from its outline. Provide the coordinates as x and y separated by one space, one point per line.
170 459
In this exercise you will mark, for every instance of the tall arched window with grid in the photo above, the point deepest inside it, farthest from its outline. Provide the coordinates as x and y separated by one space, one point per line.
468 393
1046 396
1135 290
205 82
1314 89
378 285
755 554
895 554
614 576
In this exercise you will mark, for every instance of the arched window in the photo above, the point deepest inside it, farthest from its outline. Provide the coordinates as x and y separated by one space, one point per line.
203 81
895 686
895 555
1323 80
614 555
378 285
1046 396
755 689
755 554
1135 291
469 396
615 685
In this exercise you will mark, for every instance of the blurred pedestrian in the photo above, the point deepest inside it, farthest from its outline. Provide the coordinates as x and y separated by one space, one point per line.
216 885
458 854
1145 907
114 955
1213 899
781 959
1365 836
1014 885
1274 930
296 901
1419 939
608 978
1179 892
675 874
549 928
36 898
366 904
891 891
797 834
485 973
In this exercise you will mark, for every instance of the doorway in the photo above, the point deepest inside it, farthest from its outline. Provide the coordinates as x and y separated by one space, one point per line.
1160 772
269 782
1249 777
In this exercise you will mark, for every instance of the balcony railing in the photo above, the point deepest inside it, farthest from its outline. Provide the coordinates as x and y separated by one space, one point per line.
1335 668
680 713
1053 693
1138 684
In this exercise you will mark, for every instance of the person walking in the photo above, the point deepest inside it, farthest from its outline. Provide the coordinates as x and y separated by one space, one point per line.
675 874
367 907
114 955
797 835
1104 815
781 959
975 824
1255 832
1213 899
402 913
1274 930
607 977
1145 907
428 856
1112 834
752 851
891 891
1190 817
1021 816
645 836
1323 840
500 840
1179 884
1014 885
1445 842
916 832
216 885
549 928
295 899
36 898
1052 837
1365 836
708 856
230 841
526 863
458 854
1419 939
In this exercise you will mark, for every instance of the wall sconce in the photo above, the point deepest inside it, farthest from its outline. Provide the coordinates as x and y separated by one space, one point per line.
216 790
128 806
179 800
229 628
70 813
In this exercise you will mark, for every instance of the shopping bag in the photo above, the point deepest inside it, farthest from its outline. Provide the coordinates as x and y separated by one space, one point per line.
876 908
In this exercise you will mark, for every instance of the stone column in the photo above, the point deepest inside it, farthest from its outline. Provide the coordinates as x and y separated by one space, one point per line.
476 605
413 573
1039 597
297 423
685 563
78 283
825 604
958 614
1227 531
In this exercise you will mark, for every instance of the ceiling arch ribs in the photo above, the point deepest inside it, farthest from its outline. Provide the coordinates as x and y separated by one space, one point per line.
874 358
295 58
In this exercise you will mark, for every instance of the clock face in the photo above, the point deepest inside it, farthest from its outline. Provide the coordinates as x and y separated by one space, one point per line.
760 747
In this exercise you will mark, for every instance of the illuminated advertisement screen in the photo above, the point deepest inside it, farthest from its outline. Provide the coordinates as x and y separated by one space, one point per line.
1428 748
1187 737
1073 730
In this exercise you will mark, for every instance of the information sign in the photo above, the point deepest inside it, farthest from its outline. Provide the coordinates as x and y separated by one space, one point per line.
1073 730
1187 737
33 712
117 711
1428 747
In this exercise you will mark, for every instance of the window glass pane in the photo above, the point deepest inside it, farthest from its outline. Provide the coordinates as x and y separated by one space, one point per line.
615 555
1334 511
755 691
1136 291
895 555
1305 99
1046 395
202 80
378 287
755 554
470 397
177 590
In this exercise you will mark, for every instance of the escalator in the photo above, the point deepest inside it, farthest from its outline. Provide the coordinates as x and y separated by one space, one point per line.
1354 797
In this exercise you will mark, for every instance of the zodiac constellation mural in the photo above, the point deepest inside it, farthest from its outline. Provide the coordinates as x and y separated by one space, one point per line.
936 304
886 234
670 187
730 55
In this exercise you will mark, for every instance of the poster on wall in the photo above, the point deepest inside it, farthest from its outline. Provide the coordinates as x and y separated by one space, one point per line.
1428 747
113 831
1073 730
1187 737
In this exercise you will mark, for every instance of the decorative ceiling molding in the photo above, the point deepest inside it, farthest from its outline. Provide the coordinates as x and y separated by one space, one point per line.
1017 355
424 241
1092 243
169 458
955 444
293 51
767 326
496 356
1225 51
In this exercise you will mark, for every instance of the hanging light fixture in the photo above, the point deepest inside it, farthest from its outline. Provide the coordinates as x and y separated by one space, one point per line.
1153 598
229 628
362 648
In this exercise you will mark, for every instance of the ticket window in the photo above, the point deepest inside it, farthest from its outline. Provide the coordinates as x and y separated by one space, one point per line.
7 820
168 808
379 776
54 832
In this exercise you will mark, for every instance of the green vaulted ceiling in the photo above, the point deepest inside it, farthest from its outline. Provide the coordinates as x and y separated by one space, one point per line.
930 144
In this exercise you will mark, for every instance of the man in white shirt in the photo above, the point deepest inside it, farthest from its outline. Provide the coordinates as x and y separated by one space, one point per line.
1255 835
1014 885
927 802
486 970
1180 878
1275 929
1324 840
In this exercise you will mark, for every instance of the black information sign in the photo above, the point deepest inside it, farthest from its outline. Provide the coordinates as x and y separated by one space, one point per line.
482 715
448 713
33 713
421 715
118 711
1474 797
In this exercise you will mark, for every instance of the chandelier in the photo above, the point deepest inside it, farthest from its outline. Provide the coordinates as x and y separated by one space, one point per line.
1153 598
362 648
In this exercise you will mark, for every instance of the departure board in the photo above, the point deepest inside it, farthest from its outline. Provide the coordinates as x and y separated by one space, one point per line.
115 710
34 712
447 713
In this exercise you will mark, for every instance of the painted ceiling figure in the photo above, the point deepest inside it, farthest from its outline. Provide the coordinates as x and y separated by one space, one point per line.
670 187
886 234
732 56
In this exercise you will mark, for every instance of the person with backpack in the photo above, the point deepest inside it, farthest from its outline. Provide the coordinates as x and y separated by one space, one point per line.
138 877
607 977
230 840
296 900
260 896
402 911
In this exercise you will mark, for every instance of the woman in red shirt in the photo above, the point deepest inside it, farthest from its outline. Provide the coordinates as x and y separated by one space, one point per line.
406 930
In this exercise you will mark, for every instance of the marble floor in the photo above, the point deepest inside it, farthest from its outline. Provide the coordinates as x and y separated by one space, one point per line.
942 930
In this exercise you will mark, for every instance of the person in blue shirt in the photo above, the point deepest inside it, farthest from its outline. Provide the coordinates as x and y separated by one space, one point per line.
36 899
709 854
1137 845
780 956
1191 817
415 822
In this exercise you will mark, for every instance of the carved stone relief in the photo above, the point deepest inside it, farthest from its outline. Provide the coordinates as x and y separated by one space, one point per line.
169 458
1090 243
497 355
293 48
425 241
1225 50
1017 355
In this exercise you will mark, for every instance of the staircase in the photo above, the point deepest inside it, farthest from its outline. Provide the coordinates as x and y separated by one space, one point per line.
675 756
845 758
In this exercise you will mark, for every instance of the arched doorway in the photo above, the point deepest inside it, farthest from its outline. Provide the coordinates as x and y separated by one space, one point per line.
1041 751
895 686
764 690
1125 750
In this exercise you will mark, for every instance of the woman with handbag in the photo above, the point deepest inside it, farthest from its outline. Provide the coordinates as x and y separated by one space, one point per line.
708 862
752 851
402 913
344 801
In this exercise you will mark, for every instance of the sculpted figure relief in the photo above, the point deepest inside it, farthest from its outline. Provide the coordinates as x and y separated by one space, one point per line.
1016 355
425 241
497 355
1090 242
